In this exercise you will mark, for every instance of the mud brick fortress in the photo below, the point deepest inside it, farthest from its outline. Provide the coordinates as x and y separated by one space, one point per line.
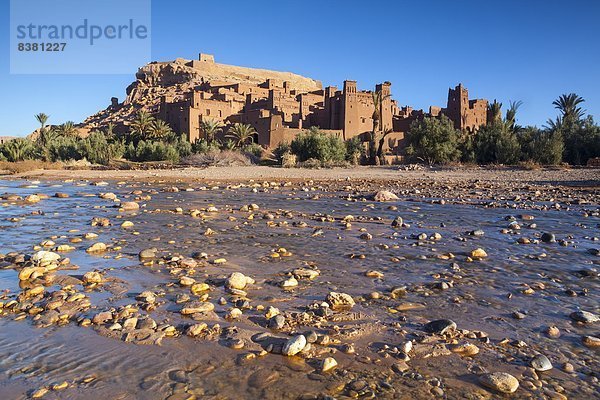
278 105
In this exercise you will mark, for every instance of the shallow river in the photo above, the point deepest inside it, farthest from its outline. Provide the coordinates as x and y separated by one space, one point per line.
514 293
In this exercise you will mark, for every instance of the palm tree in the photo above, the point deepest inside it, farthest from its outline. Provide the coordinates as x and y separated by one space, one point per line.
45 137
48 136
495 111
553 124
568 105
140 126
241 134
210 128
511 115
42 119
67 129
570 125
159 129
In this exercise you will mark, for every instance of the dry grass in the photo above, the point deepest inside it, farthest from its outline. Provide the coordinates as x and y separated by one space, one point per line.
225 158
529 165
288 160
28 165
313 163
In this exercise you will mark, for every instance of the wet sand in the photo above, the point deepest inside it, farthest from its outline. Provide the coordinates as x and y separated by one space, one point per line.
136 329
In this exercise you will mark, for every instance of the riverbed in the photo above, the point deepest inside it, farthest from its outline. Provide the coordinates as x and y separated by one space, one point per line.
509 272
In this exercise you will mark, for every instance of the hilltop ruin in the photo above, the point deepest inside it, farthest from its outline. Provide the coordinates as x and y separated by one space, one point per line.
278 105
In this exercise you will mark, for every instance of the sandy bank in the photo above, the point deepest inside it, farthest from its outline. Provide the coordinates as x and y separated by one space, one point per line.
570 177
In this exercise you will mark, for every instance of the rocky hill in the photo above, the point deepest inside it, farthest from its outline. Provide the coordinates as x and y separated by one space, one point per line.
176 78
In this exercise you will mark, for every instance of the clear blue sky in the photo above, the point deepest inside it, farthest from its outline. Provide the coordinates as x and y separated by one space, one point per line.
507 50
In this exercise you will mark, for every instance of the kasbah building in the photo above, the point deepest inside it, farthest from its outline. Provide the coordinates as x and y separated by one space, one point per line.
278 109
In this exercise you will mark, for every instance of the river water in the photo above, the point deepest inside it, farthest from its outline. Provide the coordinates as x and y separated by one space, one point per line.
480 295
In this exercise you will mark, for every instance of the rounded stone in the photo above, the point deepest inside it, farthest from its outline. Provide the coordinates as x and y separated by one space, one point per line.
440 326
328 364
97 248
294 345
340 300
541 363
277 322
129 206
590 341
465 349
33 198
186 281
384 195
92 277
585 316
479 253
234 313
374 274
147 253
44 257
548 237
289 283
236 280
500 381
311 336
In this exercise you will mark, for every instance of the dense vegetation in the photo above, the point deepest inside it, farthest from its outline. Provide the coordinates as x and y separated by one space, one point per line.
572 138
148 139
314 148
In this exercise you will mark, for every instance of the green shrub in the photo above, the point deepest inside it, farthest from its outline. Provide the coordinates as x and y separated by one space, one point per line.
203 146
314 144
280 152
19 149
228 144
183 147
541 146
97 150
495 143
433 140
355 150
581 140
253 149
64 148
466 146
152 151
